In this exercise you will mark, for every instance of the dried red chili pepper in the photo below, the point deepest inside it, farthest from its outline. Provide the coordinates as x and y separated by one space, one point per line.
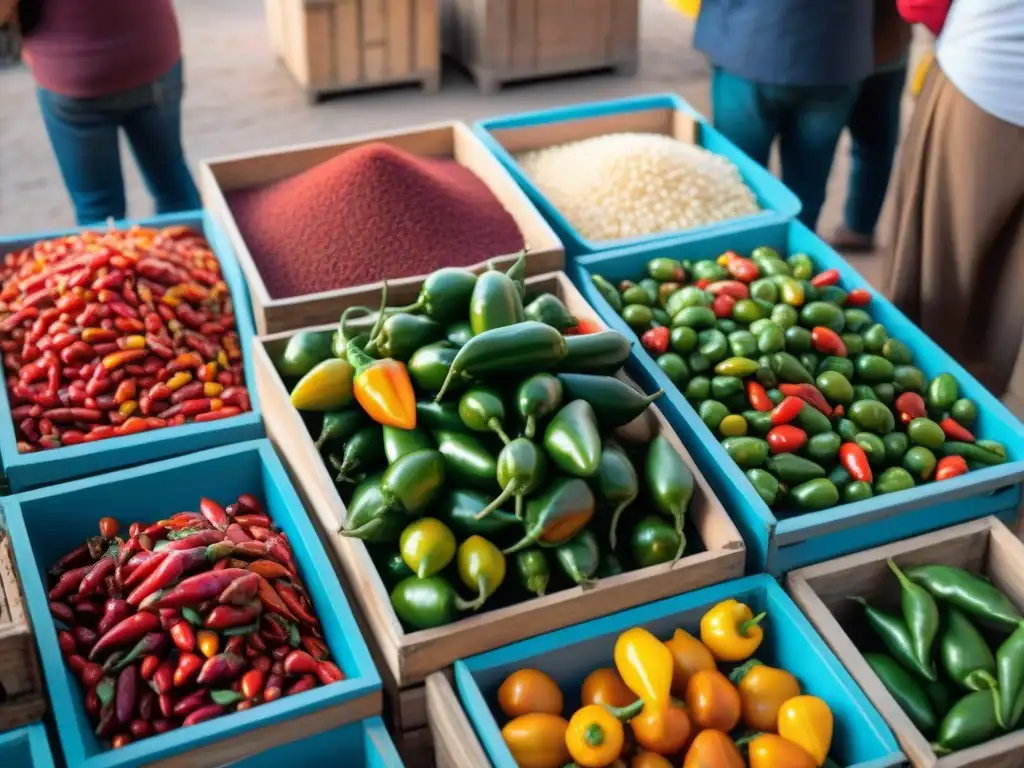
220 668
128 631
227 616
241 591
291 599
197 589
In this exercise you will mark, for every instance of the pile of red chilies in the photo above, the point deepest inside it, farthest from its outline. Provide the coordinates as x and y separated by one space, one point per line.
114 333
198 615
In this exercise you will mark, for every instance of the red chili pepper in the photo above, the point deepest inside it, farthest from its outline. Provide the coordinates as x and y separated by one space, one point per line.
268 569
722 305
328 672
128 631
222 413
140 728
66 641
250 549
315 647
221 668
733 288
299 663
153 643
69 581
202 714
910 406
758 397
950 466
62 612
786 438
84 637
170 570
77 664
655 340
742 268
858 297
251 504
809 394
259 533
272 691
78 556
92 673
241 591
954 431
786 411
190 703
227 616
183 636
166 704
115 611
828 277
828 342
127 694
279 550
188 667
199 588
93 580
253 518
855 461
304 683
291 599
149 666
252 683
88 612
199 539
214 513
107 724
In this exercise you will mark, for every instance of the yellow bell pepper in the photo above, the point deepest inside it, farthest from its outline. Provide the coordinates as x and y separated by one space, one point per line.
328 387
689 656
594 737
807 721
763 691
731 632
645 665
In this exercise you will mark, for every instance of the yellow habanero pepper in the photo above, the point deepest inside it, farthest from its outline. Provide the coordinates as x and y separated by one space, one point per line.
645 665
807 721
594 737
763 691
537 740
771 751
690 656
731 632
328 387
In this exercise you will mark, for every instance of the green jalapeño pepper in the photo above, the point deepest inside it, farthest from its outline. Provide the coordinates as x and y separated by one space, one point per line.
921 613
533 570
819 493
971 721
429 366
482 410
392 567
965 654
766 485
481 567
537 397
942 393
411 483
521 470
460 509
908 692
970 593
601 352
495 303
339 426
402 334
580 558
654 542
549 309
363 452
426 603
615 402
457 334
1010 668
572 439
618 484
467 460
895 636
522 348
368 516
608 291
556 515
399 442
670 485
304 351
444 416
445 295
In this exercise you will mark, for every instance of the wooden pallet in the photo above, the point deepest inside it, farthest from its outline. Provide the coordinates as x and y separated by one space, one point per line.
502 41
21 697
339 46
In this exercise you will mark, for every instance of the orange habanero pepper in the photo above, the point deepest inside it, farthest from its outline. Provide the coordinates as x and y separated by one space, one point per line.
383 389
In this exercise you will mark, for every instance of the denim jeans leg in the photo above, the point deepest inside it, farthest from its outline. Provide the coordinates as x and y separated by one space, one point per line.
154 134
874 133
740 114
84 140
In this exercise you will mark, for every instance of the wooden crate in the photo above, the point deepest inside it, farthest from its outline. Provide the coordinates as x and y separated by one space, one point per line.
455 742
451 140
410 657
335 46
984 546
501 41
21 698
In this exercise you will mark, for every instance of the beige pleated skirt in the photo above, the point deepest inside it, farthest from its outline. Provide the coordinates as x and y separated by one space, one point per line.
956 259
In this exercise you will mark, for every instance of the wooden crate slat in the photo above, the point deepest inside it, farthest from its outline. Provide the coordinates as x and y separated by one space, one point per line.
21 696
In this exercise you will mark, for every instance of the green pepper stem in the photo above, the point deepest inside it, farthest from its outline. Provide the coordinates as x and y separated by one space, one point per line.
343 320
504 496
737 675
980 680
746 626
531 427
495 425
594 735
613 532
364 530
626 713
904 581
519 506
523 543
678 515
940 750
382 314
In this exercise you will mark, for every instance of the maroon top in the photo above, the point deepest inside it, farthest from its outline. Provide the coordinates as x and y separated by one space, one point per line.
91 48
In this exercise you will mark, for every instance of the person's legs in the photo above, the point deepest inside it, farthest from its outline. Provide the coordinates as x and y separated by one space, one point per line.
807 145
84 140
874 133
741 115
154 133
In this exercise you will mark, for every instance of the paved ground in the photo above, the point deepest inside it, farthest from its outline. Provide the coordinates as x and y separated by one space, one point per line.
239 99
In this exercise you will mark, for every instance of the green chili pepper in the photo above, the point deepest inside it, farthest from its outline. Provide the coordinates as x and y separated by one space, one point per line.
521 470
572 439
443 416
1010 669
670 484
522 348
654 541
766 485
533 569
608 291
429 365
398 442
369 516
789 369
556 515
819 493
965 654
580 558
602 352
537 397
971 721
364 451
517 272
402 334
303 352
610 565
411 483
549 309
618 484
942 393
973 452
458 334
467 460
459 508
968 592
921 614
907 691
615 402
482 410
342 336
339 426
481 566
445 295
495 303
792 469
426 603
392 567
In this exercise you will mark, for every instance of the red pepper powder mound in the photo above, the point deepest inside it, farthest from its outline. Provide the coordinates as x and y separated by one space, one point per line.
371 213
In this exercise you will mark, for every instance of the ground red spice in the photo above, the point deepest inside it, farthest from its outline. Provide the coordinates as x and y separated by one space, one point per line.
371 213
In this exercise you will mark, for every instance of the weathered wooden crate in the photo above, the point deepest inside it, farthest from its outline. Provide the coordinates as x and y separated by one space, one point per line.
449 140
409 657
335 46
984 546
21 698
455 742
501 41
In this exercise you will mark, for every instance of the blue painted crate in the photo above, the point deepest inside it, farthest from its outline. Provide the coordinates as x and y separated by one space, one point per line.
861 738
46 523
34 470
25 748
365 743
777 202
778 545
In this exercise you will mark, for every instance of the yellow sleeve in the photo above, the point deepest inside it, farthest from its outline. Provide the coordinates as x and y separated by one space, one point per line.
921 72
690 8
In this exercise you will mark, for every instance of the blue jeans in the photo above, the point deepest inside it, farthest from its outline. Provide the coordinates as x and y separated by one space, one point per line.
807 121
84 136
874 132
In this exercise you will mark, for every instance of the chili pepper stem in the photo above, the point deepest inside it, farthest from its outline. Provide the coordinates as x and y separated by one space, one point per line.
495 425
505 495
594 735
531 427
366 528
381 317
979 680
613 532
746 626
626 713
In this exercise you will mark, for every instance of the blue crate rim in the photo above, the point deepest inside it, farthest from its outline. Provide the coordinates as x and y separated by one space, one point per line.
626 105
34 737
379 739
486 726
792 528
243 323
65 699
